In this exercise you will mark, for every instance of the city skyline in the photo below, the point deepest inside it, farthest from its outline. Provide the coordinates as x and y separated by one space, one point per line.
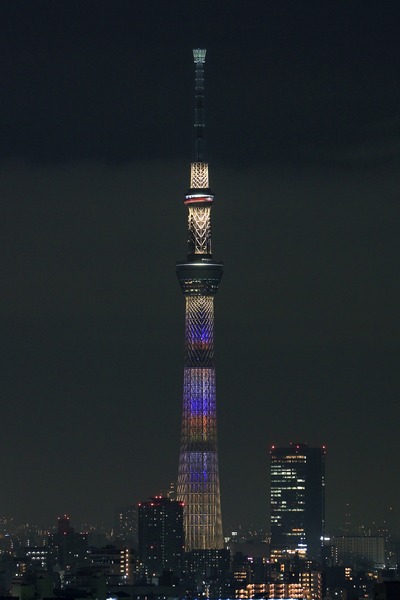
95 142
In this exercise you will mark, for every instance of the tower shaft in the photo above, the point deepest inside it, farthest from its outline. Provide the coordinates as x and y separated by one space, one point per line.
199 276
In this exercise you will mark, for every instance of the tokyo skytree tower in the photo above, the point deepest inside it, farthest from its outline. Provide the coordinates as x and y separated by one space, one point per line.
199 277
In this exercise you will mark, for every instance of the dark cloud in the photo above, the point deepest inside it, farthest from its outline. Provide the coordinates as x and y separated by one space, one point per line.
284 83
302 107
93 325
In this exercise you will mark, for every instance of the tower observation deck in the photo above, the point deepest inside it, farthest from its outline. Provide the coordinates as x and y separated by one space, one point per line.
199 276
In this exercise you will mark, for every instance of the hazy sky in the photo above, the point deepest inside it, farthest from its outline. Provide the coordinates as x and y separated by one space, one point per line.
95 144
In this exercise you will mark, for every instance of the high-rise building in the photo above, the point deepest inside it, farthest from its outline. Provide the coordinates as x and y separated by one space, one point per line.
161 537
125 525
67 548
297 501
360 549
199 276
116 563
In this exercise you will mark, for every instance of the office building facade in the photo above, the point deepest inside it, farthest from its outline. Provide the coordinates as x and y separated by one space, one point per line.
161 537
297 501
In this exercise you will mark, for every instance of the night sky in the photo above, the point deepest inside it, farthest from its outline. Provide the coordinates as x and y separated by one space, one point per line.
303 120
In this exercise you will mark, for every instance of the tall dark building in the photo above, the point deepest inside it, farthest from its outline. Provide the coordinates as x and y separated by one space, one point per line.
297 501
66 547
125 525
161 537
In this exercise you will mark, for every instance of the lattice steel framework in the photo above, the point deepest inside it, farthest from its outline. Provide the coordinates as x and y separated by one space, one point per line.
199 226
199 175
199 276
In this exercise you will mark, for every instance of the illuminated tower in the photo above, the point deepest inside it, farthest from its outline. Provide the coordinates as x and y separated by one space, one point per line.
199 276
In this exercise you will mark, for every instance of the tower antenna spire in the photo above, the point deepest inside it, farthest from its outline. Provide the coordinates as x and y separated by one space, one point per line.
199 167
199 56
